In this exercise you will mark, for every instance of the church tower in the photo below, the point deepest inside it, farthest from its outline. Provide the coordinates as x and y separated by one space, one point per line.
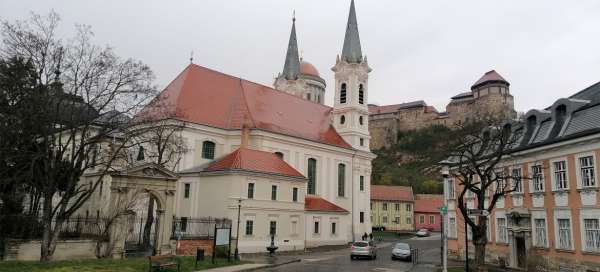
299 77
350 110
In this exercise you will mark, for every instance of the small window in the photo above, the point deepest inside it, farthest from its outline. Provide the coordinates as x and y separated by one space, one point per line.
342 119
333 225
249 227
273 228
560 175
360 120
295 194
362 217
421 219
186 190
140 155
408 220
279 154
274 192
361 184
361 94
316 230
587 172
208 150
250 190
384 219
431 220
384 207
341 179
312 176
343 94
408 207
362 142
397 206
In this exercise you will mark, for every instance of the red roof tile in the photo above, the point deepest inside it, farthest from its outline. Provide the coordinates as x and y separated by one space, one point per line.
253 160
391 193
204 96
428 203
317 204
487 77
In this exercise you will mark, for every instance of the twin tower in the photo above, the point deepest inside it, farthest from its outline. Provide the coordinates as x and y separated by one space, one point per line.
350 111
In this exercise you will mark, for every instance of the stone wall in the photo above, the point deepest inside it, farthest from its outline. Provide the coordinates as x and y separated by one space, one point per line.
29 250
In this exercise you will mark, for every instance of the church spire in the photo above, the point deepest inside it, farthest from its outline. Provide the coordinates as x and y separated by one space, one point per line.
351 51
291 68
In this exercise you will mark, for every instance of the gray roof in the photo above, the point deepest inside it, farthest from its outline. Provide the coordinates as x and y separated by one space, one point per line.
351 51
291 68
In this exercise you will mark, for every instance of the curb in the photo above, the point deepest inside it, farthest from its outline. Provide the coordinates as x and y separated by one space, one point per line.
270 265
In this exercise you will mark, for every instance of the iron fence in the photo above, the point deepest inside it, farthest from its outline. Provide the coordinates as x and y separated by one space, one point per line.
197 228
32 227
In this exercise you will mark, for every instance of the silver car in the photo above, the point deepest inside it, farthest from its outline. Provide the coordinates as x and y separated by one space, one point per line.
363 249
401 251
422 233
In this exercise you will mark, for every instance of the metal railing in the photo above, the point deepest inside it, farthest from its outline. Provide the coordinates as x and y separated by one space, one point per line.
32 227
197 228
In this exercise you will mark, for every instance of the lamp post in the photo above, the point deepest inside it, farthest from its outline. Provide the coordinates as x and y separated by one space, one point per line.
445 175
237 239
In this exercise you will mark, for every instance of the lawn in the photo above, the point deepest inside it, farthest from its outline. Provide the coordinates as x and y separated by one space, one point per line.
104 265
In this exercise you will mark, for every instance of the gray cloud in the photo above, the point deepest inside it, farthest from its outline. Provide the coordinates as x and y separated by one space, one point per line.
427 50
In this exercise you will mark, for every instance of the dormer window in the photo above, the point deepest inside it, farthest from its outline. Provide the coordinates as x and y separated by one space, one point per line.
560 114
343 94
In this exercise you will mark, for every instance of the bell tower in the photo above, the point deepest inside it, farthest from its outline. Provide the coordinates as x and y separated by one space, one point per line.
350 110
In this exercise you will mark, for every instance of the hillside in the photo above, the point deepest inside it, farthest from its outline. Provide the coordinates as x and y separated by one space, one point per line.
412 160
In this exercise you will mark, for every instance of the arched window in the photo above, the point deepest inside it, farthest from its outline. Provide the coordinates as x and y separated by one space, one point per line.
343 94
360 120
342 119
341 179
312 176
140 155
361 94
279 154
208 150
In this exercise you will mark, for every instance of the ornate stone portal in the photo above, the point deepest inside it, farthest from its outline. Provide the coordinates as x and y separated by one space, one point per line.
519 236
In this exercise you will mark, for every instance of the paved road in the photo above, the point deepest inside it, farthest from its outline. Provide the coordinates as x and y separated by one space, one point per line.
340 260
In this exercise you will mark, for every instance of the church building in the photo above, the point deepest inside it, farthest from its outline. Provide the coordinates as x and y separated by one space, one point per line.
298 169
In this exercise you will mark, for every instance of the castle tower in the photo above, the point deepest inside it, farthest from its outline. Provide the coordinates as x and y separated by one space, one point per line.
491 94
351 114
299 77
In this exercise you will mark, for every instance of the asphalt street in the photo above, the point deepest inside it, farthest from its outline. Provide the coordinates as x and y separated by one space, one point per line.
429 253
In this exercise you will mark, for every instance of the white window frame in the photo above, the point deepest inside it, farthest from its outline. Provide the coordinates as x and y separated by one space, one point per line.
501 230
580 184
563 214
535 232
452 227
591 236
560 177
533 186
520 180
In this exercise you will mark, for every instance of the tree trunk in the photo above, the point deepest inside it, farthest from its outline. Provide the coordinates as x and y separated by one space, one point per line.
148 224
49 233
479 243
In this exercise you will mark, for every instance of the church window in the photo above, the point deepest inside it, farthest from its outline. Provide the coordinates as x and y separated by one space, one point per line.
312 176
279 154
208 150
343 94
360 120
362 141
341 179
308 97
140 155
361 94
342 119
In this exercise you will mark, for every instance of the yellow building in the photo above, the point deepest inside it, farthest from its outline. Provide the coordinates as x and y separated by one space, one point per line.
392 207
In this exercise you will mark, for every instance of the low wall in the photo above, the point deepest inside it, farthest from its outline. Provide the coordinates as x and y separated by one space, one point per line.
188 247
29 250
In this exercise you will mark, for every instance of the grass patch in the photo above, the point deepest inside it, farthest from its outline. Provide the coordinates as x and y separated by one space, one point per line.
105 265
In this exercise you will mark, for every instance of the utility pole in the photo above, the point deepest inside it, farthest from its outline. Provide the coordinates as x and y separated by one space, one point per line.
445 175
237 239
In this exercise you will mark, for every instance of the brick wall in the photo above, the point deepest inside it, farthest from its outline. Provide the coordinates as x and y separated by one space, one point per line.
188 247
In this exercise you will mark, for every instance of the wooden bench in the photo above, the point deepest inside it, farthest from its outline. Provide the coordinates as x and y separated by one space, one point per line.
158 263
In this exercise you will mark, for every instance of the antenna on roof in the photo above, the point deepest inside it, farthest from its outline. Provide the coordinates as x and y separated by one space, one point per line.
192 57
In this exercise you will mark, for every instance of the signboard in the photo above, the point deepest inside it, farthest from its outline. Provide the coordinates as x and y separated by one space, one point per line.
476 212
444 210
222 237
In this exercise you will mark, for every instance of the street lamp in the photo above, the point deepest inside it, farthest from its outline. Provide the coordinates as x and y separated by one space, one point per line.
237 240
446 175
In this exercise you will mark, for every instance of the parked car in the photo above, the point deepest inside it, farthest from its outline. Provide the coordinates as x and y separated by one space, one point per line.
401 251
422 233
363 249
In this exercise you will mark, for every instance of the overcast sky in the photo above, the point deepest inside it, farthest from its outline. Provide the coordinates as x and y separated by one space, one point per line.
419 50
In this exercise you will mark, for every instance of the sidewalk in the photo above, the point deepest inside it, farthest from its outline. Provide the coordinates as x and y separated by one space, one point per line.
257 262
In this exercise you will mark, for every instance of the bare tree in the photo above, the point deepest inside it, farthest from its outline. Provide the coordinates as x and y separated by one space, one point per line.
479 161
81 123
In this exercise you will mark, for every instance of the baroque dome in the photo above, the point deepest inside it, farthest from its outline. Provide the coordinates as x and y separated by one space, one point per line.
306 68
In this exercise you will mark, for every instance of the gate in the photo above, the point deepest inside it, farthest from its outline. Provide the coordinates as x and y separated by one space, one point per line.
141 237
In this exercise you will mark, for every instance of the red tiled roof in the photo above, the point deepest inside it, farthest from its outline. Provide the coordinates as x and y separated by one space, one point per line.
204 96
489 76
315 203
253 160
391 193
428 203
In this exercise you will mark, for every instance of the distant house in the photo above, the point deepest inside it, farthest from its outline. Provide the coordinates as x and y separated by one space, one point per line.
392 207
427 211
